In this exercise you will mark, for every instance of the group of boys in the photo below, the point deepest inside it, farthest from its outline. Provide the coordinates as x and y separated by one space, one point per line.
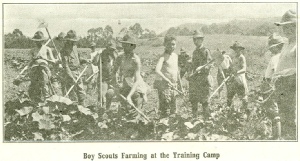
170 68
199 75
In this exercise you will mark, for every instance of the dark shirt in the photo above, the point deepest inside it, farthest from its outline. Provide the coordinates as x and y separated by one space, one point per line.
107 56
183 60
201 56
70 58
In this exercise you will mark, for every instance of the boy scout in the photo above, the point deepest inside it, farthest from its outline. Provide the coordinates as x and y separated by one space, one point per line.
71 62
108 57
167 69
200 82
285 76
39 74
183 62
129 67
238 85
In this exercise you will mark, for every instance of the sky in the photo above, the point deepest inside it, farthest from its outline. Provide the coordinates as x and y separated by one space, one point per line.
154 16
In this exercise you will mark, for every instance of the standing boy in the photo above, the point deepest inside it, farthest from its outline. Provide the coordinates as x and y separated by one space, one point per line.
129 67
71 62
223 68
39 74
275 44
183 63
167 69
285 76
200 82
238 85
108 56
92 70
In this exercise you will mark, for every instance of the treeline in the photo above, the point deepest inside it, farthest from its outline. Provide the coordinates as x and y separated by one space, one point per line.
236 27
99 35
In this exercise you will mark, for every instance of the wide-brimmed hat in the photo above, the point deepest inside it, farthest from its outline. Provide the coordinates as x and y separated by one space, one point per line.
128 39
198 34
182 50
92 44
71 36
275 40
288 18
237 45
61 35
39 36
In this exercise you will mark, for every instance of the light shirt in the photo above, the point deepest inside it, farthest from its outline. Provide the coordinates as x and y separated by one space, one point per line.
94 67
42 54
287 61
271 69
226 62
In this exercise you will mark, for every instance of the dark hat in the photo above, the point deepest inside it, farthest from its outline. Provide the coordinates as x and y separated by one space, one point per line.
71 36
288 18
39 36
61 35
182 50
198 34
129 39
275 40
92 44
237 45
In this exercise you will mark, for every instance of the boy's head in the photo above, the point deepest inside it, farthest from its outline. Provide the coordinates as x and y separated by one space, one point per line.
237 47
288 23
39 38
71 38
128 43
275 43
198 38
170 43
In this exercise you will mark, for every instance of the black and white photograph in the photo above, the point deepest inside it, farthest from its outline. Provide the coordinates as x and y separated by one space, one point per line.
149 72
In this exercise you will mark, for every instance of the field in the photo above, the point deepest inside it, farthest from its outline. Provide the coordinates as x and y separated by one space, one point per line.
194 128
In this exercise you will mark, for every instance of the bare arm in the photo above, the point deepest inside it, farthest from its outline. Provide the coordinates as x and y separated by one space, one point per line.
158 69
115 69
137 77
50 55
243 62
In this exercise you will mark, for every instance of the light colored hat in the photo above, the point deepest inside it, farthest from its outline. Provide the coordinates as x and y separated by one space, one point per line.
289 17
198 34
39 36
275 40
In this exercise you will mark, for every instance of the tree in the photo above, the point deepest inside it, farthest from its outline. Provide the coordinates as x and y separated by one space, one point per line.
17 32
137 29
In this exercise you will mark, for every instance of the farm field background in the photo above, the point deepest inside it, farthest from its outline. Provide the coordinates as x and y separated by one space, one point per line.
149 51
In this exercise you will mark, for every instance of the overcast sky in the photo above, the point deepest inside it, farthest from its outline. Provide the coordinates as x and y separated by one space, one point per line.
158 16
